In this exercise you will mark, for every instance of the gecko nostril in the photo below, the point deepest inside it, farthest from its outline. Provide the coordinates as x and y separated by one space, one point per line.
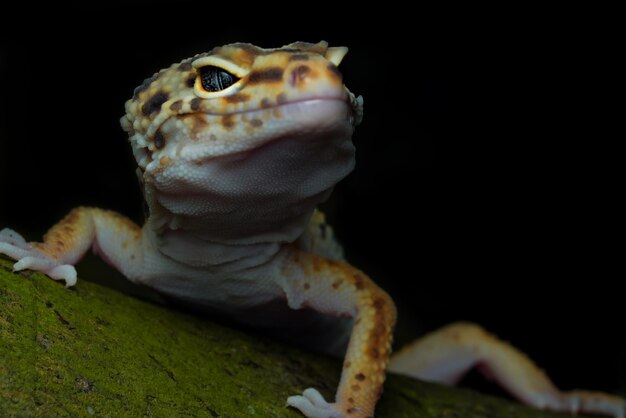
299 74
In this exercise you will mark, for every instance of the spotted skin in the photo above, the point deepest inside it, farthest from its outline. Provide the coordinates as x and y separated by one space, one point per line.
231 178
269 79
336 288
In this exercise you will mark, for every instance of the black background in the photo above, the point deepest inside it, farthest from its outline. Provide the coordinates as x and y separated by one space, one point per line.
484 190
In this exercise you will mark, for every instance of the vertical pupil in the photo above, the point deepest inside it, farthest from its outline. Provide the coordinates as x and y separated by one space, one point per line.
215 79
225 79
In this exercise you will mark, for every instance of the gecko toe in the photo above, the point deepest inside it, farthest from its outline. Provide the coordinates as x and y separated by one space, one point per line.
316 398
65 272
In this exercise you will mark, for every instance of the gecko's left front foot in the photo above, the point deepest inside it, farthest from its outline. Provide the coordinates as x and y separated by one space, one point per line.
15 246
313 405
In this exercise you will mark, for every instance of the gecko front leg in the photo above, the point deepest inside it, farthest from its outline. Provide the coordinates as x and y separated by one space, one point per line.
114 237
336 288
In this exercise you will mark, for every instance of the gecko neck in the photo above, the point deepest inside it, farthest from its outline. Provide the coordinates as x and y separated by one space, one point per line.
265 195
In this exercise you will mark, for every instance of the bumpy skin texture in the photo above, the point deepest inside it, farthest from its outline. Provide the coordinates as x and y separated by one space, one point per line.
235 148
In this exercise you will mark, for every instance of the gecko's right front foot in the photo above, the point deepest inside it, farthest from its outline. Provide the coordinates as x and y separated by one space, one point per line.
13 245
312 404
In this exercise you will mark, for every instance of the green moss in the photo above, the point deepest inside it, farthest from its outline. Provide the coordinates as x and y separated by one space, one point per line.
92 351
89 350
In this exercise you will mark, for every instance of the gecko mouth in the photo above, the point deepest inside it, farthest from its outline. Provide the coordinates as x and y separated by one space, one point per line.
354 104
312 110
306 119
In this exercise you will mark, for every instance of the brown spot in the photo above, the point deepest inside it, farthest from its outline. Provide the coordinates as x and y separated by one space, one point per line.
336 284
159 139
244 57
238 98
374 352
256 123
191 80
334 71
164 160
268 75
227 121
379 332
198 124
360 377
265 102
299 57
358 282
351 400
176 106
299 74
347 364
307 286
379 303
199 121
154 103
195 104
351 410
281 98
355 388
60 243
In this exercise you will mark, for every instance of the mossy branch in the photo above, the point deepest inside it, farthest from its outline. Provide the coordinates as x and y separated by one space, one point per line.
92 351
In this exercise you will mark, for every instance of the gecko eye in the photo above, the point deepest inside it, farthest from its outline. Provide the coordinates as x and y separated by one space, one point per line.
214 79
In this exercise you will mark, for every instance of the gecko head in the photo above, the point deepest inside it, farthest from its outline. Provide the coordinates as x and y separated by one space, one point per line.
239 98
243 125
